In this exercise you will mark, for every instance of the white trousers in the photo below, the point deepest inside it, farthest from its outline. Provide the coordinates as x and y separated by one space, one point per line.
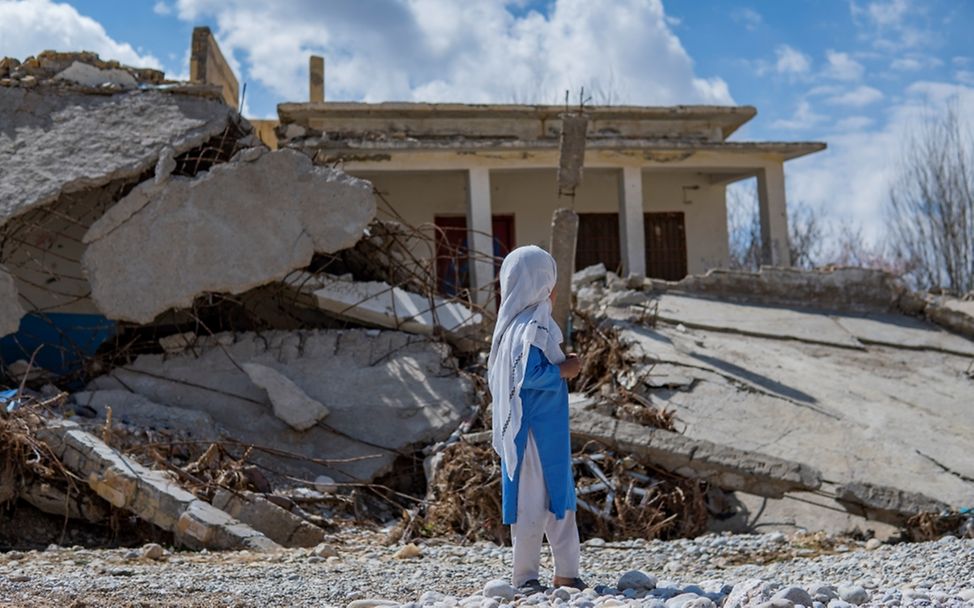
535 521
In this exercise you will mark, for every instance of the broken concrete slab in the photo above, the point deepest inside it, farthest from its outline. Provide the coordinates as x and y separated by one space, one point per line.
278 524
904 332
197 224
54 141
587 276
130 408
91 76
291 404
381 304
755 320
855 289
149 494
882 503
953 314
724 466
54 500
386 391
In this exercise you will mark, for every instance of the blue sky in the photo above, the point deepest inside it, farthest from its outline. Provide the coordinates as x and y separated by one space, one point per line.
856 74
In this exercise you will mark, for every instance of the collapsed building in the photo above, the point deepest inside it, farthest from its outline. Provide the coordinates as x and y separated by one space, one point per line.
239 341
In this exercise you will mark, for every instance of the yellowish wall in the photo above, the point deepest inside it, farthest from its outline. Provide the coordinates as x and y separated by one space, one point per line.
531 196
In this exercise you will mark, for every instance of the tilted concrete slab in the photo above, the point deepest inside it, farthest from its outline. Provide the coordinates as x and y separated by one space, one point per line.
890 505
381 304
54 141
149 494
291 404
724 466
386 391
904 332
167 243
755 320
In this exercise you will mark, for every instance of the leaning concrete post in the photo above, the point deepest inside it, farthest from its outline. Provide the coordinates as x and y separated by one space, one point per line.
316 78
564 233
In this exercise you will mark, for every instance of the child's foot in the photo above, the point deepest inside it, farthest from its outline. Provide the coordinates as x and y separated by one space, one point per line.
531 587
574 583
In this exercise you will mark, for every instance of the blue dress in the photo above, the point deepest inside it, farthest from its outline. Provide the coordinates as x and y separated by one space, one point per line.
544 404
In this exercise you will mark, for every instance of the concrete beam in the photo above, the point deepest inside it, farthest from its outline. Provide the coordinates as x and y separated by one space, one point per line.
564 235
480 235
149 494
631 235
725 467
207 64
885 504
316 78
774 215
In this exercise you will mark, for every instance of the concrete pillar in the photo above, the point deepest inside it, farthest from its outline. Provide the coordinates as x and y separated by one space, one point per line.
564 236
316 78
480 236
774 216
632 240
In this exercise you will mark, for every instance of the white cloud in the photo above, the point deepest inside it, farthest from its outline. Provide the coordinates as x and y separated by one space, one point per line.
161 8
791 61
841 66
31 26
964 77
442 50
803 118
749 18
912 63
851 179
893 25
854 123
857 97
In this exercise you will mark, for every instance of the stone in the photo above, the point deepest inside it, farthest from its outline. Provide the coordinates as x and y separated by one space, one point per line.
385 392
854 594
499 589
683 600
278 524
153 551
873 543
746 593
966 594
379 303
325 550
409 551
636 579
291 404
91 76
822 592
776 603
371 603
795 595
837 603
588 275
325 484
197 224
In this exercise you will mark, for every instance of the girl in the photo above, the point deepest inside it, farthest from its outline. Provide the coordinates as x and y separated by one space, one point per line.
527 372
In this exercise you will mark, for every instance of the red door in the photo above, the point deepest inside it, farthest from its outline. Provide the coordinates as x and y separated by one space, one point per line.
452 273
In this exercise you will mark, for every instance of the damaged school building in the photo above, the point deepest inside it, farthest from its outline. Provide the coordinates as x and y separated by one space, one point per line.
238 334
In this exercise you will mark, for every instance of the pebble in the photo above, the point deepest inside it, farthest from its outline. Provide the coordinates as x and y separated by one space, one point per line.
873 543
795 595
499 589
636 579
408 552
153 551
854 594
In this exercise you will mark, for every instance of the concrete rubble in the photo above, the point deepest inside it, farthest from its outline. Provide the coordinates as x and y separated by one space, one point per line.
385 391
378 303
860 393
149 494
197 224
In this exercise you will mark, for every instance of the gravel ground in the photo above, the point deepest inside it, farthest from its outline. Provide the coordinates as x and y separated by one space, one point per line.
714 569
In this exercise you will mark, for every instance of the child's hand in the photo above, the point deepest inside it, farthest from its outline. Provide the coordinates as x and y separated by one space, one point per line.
571 366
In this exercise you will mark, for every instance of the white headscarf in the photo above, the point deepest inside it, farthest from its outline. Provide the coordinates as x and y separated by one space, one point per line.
527 278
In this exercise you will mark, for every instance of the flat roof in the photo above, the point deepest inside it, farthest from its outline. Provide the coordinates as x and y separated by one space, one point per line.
728 118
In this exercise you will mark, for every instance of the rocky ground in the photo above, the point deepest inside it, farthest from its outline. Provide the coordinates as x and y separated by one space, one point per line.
357 570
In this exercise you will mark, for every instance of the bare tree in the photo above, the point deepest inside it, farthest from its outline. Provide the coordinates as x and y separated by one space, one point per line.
807 231
930 211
